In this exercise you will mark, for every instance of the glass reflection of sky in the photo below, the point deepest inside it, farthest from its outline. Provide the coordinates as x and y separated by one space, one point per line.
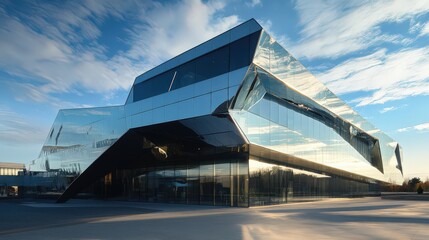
79 136
327 149
256 166
290 135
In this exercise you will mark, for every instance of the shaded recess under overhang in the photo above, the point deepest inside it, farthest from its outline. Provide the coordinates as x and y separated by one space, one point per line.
188 140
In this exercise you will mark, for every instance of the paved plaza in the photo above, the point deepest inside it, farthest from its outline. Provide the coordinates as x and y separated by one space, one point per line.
360 218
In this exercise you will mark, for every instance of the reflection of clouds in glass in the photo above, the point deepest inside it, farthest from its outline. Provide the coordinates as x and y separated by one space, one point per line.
256 166
256 94
85 135
334 151
299 149
272 57
265 129
358 167
337 106
97 112
374 131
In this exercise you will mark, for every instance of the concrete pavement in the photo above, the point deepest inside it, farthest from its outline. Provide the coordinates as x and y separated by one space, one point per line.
361 218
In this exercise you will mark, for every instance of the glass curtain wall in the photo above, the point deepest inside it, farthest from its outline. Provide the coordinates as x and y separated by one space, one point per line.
271 183
220 182
205 162
273 58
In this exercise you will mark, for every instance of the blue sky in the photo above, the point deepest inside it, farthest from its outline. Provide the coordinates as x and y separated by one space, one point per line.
67 54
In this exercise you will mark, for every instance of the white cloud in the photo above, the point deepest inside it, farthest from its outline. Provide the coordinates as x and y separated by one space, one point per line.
403 129
254 3
425 29
55 46
28 92
393 108
415 26
388 109
174 28
424 127
46 54
383 76
73 21
334 28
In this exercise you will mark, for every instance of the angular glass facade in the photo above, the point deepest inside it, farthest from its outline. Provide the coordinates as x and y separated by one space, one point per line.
235 121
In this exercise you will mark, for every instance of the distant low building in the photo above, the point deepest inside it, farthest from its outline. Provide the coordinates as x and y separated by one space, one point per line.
7 170
11 169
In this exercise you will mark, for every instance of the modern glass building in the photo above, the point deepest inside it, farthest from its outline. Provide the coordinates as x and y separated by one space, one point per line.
235 121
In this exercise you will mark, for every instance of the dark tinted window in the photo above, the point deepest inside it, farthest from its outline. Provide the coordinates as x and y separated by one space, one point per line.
253 41
220 61
233 56
185 75
212 64
154 86
239 53
242 51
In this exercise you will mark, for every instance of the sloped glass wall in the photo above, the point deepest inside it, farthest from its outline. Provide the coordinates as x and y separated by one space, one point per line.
273 58
76 139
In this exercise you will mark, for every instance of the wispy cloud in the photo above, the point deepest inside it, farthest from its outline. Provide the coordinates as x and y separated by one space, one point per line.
15 128
335 28
425 29
254 3
51 48
415 26
384 76
172 28
393 108
28 92
424 127
47 48
388 109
